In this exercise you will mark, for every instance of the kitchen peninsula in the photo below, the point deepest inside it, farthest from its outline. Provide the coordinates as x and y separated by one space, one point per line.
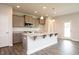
33 42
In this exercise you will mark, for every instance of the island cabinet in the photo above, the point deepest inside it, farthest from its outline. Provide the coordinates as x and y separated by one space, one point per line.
37 41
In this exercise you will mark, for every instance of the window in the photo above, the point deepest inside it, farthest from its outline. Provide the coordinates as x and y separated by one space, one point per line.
67 30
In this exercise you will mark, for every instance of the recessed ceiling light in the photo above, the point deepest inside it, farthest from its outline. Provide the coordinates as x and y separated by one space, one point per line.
44 7
35 12
18 6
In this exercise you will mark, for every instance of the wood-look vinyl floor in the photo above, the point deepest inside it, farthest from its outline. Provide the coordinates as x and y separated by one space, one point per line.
63 47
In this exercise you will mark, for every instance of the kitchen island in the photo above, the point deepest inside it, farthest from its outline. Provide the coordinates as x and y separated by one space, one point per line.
33 42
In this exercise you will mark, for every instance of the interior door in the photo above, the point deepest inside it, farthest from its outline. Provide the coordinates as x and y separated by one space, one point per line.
5 26
4 31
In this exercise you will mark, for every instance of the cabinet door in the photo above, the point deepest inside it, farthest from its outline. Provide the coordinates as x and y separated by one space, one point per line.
17 37
42 21
28 19
18 21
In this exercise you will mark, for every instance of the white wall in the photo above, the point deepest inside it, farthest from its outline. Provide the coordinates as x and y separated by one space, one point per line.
5 26
74 19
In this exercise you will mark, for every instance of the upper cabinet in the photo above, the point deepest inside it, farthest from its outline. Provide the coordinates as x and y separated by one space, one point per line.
29 19
42 21
18 21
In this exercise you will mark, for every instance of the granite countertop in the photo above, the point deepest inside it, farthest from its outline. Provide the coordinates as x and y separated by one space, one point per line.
37 34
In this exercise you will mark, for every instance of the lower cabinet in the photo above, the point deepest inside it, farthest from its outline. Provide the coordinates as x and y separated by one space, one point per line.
17 37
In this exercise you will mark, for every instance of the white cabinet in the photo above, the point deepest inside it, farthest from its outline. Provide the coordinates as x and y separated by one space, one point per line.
5 26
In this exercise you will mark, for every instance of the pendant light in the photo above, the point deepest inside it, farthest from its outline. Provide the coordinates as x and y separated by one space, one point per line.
41 17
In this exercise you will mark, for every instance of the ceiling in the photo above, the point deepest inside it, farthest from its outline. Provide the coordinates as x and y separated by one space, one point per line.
60 8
